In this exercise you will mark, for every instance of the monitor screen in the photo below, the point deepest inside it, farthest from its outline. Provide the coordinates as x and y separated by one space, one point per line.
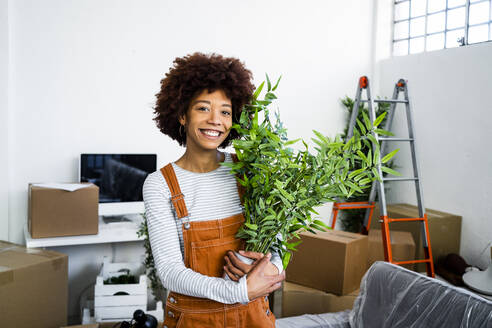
120 177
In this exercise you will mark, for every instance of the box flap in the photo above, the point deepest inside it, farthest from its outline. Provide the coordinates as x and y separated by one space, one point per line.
291 287
335 235
35 188
14 256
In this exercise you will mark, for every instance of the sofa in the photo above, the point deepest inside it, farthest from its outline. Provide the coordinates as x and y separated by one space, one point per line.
392 296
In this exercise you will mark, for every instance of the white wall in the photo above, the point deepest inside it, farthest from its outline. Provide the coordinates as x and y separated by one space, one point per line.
4 128
86 72
450 90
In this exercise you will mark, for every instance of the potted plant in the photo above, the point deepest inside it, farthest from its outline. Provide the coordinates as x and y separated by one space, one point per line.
283 185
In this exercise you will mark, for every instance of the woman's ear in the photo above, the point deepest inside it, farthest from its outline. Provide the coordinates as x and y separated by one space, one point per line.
182 120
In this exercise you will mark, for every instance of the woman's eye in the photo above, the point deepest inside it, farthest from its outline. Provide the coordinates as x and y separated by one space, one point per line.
202 108
226 113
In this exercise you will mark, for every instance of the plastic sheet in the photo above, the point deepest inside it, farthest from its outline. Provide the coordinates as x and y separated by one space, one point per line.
391 296
325 320
394 297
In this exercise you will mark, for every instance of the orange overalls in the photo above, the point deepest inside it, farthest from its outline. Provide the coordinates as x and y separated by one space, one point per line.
205 245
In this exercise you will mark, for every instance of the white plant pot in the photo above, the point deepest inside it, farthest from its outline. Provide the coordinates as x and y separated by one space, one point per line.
243 259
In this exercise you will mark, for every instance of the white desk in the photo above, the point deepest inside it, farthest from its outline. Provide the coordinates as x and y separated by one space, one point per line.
108 233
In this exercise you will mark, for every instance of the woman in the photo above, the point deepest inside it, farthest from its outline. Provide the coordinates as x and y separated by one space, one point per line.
193 207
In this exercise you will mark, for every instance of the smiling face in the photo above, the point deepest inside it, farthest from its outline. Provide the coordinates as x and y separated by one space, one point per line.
208 120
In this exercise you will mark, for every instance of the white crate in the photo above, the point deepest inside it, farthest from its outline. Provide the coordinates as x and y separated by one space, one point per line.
107 305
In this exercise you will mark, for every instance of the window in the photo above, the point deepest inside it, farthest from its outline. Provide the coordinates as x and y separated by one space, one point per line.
426 25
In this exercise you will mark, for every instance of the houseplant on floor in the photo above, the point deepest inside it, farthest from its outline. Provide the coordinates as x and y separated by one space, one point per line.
352 220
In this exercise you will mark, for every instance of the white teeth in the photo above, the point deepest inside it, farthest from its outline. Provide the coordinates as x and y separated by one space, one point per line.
211 133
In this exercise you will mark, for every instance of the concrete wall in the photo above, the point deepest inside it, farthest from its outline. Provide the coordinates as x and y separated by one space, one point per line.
450 90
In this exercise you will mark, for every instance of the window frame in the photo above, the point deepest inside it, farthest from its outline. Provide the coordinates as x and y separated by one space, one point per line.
466 27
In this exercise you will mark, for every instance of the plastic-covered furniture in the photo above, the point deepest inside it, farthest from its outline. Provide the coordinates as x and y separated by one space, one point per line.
392 296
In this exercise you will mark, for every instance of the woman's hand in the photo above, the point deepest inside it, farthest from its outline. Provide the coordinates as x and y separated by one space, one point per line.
235 268
260 284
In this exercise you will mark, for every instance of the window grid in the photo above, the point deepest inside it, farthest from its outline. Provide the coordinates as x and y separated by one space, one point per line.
463 41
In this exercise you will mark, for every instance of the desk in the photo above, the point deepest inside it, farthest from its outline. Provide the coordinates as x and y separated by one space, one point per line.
108 233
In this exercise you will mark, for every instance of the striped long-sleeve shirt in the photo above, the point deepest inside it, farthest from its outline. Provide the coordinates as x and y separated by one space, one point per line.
208 196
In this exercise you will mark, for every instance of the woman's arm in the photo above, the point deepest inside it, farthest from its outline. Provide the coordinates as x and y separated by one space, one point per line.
167 253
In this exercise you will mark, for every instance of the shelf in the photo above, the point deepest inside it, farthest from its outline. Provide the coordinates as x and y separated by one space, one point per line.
114 232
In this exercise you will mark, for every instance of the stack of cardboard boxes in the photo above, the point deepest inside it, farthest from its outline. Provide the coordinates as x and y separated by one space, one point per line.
444 230
34 282
325 273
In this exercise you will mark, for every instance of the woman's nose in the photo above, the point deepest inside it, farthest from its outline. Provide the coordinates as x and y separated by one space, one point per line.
214 117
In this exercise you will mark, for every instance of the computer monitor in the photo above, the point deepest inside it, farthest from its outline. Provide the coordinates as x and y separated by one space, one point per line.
120 179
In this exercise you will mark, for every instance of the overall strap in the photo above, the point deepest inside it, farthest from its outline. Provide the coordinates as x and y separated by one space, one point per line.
177 196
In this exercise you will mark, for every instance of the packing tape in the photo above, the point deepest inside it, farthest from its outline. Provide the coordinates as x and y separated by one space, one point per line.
57 259
6 275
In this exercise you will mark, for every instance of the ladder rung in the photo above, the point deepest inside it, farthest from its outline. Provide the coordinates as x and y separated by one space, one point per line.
394 139
388 101
411 262
403 219
400 179
354 206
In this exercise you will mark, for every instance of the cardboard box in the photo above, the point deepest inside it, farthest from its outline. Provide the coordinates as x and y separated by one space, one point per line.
331 261
299 300
402 247
444 230
33 287
56 212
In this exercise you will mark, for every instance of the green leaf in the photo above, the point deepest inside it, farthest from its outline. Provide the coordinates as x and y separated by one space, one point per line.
373 140
321 223
290 142
261 203
286 259
269 84
383 132
364 158
353 186
376 174
379 119
268 218
276 84
251 226
375 159
292 246
343 189
389 156
258 91
366 121
321 137
361 126
249 232
390 171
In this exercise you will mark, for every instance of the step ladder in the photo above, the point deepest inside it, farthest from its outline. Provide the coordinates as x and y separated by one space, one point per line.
378 186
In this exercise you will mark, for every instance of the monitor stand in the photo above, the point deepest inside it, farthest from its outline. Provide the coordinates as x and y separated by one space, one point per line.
115 219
